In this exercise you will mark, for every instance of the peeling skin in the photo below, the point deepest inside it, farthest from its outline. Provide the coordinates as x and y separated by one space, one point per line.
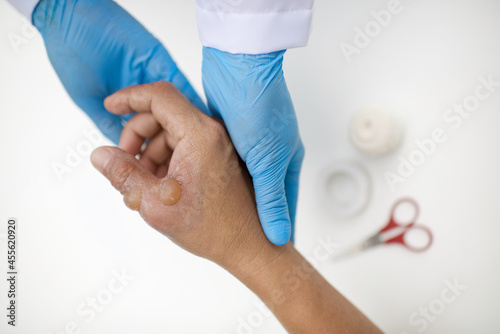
170 191
133 198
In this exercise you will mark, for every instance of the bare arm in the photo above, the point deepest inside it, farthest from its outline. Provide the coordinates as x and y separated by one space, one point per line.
297 294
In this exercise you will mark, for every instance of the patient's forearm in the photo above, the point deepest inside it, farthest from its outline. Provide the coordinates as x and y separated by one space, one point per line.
301 299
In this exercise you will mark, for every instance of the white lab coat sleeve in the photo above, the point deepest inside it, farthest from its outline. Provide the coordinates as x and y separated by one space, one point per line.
254 26
25 7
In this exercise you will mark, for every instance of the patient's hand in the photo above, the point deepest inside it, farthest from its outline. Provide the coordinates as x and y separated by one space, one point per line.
215 217
205 204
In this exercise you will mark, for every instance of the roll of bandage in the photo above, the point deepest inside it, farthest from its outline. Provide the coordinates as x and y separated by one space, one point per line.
346 188
376 131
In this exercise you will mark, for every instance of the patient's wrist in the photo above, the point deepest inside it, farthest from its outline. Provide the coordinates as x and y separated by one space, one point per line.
263 273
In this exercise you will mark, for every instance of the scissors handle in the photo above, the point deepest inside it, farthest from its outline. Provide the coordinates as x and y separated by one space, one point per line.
393 222
400 239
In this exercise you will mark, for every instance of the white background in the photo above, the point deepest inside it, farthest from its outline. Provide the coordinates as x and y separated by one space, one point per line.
74 233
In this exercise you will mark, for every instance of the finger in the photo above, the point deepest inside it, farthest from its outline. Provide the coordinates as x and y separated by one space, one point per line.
292 188
162 171
161 66
272 207
136 131
125 173
157 153
170 108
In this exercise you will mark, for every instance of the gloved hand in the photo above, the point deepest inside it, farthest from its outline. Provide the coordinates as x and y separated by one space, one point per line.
97 48
250 94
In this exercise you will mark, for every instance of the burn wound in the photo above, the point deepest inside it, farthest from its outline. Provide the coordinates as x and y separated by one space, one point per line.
133 198
170 191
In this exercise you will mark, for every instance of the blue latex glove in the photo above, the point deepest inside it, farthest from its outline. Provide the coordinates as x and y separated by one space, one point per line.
97 48
250 94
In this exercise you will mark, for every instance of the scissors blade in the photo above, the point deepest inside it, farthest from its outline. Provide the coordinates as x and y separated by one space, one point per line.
393 233
370 242
348 252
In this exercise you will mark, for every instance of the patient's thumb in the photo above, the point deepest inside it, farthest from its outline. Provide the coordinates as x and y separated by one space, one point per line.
124 172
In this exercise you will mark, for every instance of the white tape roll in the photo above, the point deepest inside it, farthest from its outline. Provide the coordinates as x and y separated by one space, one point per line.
345 188
376 131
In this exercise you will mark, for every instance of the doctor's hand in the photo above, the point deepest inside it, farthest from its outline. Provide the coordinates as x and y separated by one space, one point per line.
97 48
250 94
206 205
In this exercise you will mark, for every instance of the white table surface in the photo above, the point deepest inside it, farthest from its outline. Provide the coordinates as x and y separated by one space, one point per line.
74 234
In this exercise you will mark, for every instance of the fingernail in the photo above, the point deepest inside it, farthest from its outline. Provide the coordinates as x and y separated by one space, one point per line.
100 158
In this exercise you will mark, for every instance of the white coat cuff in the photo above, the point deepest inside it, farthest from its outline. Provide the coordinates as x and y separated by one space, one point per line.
254 33
25 7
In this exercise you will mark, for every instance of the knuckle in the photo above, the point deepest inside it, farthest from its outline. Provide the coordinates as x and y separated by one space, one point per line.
120 172
163 86
218 132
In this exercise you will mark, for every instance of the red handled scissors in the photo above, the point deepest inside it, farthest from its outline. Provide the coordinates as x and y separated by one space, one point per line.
395 231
